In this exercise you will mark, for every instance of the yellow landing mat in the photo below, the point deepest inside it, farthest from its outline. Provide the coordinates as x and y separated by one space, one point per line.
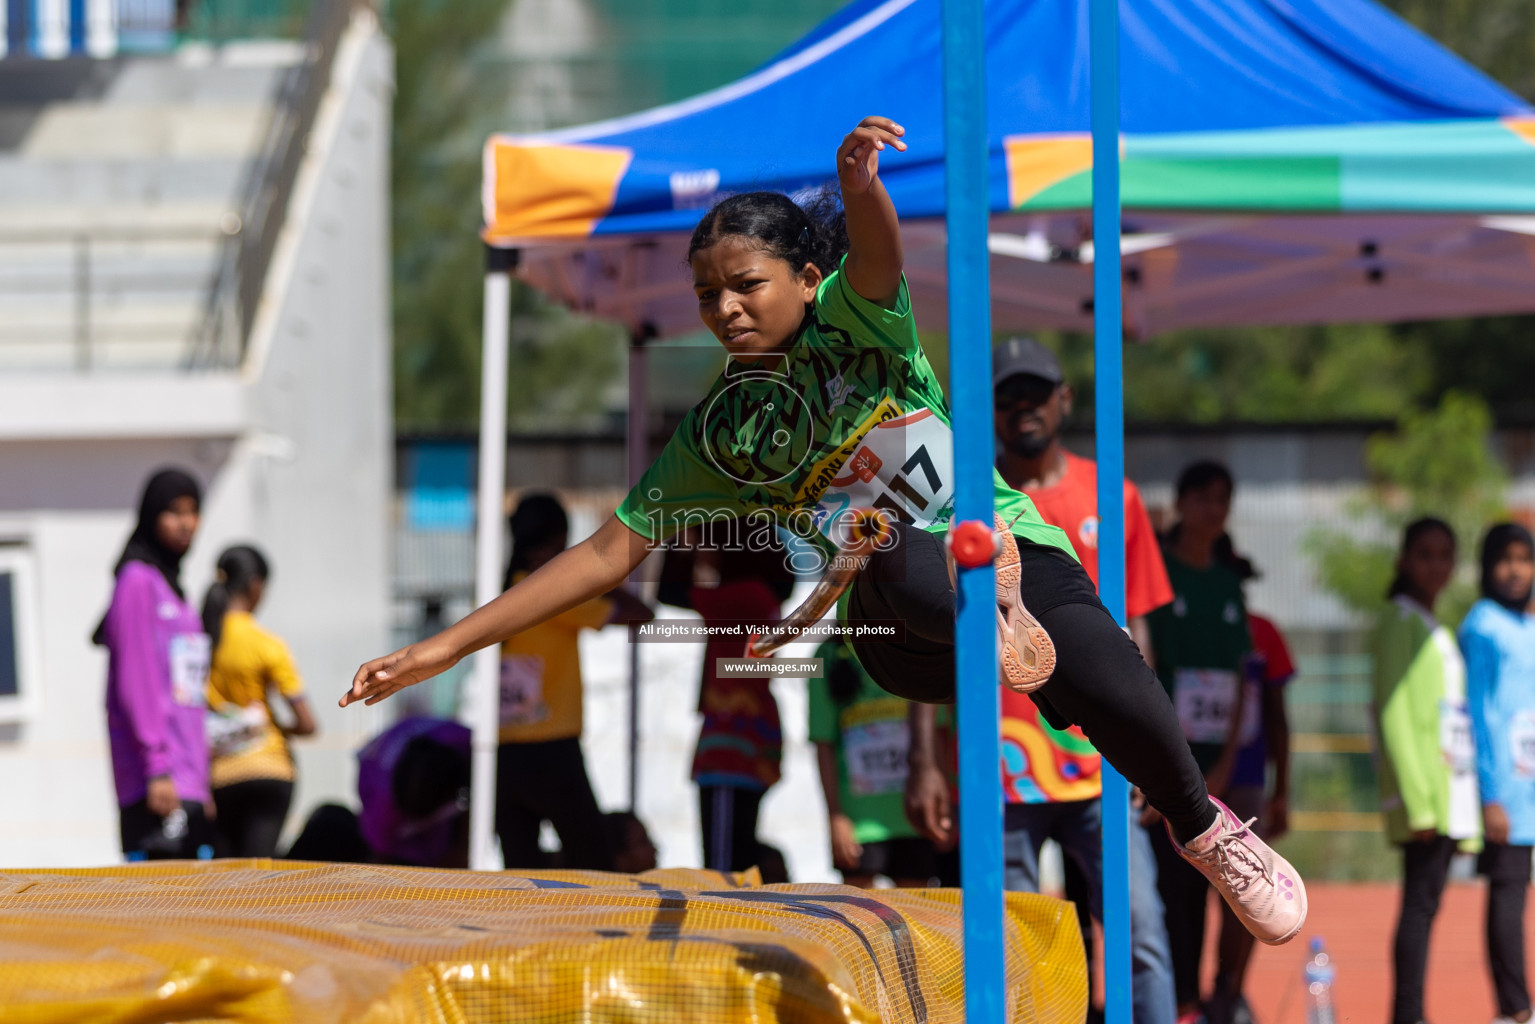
278 941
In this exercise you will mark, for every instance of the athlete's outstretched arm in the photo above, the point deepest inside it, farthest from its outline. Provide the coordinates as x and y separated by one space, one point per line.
592 567
874 256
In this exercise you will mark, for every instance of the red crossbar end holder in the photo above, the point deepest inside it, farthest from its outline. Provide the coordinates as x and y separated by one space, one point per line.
973 543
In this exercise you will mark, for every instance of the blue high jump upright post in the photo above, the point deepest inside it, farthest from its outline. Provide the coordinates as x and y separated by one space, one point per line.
1108 403
967 192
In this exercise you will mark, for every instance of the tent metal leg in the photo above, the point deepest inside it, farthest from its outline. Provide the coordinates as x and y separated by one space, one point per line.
638 451
975 649
1108 339
484 696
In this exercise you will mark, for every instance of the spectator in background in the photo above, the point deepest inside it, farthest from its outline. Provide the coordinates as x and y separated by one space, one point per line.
862 742
1265 737
1498 641
252 769
1201 643
540 769
1425 756
413 784
413 787
633 850
1052 777
732 571
157 676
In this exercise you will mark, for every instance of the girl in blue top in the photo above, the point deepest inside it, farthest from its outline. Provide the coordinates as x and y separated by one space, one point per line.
1498 640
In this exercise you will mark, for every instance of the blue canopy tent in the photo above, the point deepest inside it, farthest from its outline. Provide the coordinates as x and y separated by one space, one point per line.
1297 161
1281 161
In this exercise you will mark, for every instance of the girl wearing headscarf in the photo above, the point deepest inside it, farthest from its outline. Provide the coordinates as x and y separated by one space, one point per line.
1423 738
1497 639
157 672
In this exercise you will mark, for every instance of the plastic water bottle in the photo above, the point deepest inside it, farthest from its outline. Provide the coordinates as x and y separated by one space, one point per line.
1319 976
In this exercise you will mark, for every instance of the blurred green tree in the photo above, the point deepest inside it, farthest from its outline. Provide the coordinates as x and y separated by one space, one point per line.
1437 462
450 94
1307 374
1497 36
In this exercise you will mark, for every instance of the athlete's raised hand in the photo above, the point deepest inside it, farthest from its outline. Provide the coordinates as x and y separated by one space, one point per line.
390 674
858 156
874 256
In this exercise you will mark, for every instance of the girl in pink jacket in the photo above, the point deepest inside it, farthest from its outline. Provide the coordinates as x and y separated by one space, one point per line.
157 674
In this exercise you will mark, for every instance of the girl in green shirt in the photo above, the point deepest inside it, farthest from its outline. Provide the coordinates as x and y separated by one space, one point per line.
828 411
1426 761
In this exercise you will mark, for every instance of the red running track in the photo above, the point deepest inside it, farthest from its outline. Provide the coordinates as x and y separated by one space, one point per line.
1358 921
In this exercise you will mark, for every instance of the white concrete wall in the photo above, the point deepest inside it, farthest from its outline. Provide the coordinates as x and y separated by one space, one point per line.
319 463
793 816
68 505
296 454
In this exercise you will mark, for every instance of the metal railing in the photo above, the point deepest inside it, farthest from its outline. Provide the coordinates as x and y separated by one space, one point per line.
144 26
90 270
268 185
90 298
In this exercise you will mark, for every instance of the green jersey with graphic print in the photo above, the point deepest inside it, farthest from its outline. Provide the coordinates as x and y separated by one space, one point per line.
1202 642
852 416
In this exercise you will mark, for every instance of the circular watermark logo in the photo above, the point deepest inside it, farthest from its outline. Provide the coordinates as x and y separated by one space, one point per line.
758 429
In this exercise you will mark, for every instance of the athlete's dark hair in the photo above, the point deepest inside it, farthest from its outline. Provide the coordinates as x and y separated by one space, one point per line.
238 568
1495 545
1196 476
843 681
427 776
815 232
1415 531
537 520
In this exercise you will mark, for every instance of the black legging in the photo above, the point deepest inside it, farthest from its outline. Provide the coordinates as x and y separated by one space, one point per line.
250 817
547 781
1508 878
1101 683
727 816
1184 892
1425 867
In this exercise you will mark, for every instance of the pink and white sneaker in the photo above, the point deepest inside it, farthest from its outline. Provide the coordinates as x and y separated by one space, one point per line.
1261 888
1026 650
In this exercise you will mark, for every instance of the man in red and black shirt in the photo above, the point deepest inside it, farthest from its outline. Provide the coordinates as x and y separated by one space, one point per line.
1052 777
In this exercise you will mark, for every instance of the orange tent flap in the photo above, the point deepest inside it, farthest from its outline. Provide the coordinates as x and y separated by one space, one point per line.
548 191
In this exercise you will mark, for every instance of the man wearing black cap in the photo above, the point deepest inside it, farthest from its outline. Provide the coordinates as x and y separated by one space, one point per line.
1031 401
1053 778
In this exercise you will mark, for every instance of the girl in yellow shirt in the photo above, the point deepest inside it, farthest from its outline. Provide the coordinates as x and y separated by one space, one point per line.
251 768
540 769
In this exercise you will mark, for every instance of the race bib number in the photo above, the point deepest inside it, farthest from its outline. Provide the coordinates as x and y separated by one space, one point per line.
190 655
1252 715
522 690
876 757
236 730
1205 699
1455 742
1521 736
904 466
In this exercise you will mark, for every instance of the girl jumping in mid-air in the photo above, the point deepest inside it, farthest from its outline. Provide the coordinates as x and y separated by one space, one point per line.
827 406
